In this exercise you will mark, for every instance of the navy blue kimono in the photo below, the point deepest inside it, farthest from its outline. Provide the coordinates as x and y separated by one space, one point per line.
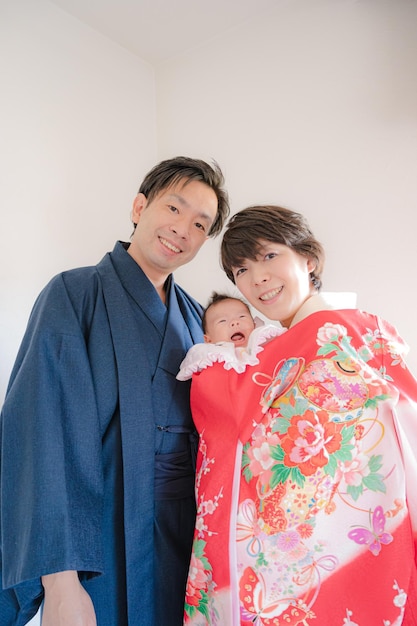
96 449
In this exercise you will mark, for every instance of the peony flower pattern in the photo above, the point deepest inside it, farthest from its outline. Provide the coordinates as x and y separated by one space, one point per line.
197 579
309 441
314 420
199 582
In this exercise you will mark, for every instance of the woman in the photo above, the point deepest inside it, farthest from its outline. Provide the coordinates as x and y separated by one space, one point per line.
307 509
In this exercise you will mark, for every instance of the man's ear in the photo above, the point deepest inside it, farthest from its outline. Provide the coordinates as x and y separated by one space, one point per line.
139 203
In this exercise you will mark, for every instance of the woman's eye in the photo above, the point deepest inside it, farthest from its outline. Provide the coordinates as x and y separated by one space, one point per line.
240 271
270 255
173 208
201 227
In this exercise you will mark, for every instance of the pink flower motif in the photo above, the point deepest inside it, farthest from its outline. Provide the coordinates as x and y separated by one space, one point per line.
209 507
330 333
196 581
200 526
298 553
259 454
288 540
352 472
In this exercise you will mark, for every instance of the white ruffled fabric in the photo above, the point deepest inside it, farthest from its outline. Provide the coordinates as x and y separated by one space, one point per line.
203 355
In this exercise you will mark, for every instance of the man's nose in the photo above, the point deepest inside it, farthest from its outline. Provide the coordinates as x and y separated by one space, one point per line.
181 228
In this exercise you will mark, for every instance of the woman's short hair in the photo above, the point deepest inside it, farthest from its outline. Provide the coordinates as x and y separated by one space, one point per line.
247 228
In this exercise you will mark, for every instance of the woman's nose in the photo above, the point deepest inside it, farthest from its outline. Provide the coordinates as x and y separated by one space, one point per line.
259 276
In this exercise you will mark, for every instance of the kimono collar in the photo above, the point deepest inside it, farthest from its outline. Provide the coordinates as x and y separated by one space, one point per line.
311 305
139 287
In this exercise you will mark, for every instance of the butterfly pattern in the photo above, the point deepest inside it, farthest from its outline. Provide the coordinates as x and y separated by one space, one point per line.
373 537
258 610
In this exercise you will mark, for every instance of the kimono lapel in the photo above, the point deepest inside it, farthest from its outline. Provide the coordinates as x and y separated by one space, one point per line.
142 292
182 330
190 313
138 438
177 335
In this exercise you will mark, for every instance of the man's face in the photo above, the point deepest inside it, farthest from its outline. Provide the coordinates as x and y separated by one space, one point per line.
172 227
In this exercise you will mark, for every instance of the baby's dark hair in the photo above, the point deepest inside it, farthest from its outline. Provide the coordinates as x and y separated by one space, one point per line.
215 298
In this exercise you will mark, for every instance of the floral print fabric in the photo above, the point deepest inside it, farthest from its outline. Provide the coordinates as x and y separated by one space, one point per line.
305 511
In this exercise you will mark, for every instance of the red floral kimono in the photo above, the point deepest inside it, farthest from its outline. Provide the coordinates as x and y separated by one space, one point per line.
307 481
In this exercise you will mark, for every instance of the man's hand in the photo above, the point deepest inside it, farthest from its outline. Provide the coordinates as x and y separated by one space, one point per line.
66 601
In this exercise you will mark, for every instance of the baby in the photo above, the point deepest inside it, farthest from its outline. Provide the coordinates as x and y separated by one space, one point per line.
227 319
231 336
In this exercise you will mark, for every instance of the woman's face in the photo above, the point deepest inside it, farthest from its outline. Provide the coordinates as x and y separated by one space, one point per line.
277 282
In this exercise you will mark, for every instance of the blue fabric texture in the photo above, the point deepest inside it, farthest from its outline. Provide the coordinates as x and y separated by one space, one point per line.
92 408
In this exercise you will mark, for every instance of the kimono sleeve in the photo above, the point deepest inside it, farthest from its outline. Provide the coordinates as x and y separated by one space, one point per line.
51 474
405 412
243 393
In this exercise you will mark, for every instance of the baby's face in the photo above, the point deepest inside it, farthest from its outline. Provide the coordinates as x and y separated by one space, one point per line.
229 320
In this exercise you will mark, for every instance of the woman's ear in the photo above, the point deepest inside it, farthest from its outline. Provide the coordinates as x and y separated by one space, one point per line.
311 265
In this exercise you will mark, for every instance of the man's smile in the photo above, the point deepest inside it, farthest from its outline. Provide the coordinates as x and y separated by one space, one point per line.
169 245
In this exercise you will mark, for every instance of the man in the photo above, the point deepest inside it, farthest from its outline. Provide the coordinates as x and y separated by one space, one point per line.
97 474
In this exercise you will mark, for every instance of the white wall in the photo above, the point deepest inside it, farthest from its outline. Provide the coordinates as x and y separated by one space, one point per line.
78 132
313 106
